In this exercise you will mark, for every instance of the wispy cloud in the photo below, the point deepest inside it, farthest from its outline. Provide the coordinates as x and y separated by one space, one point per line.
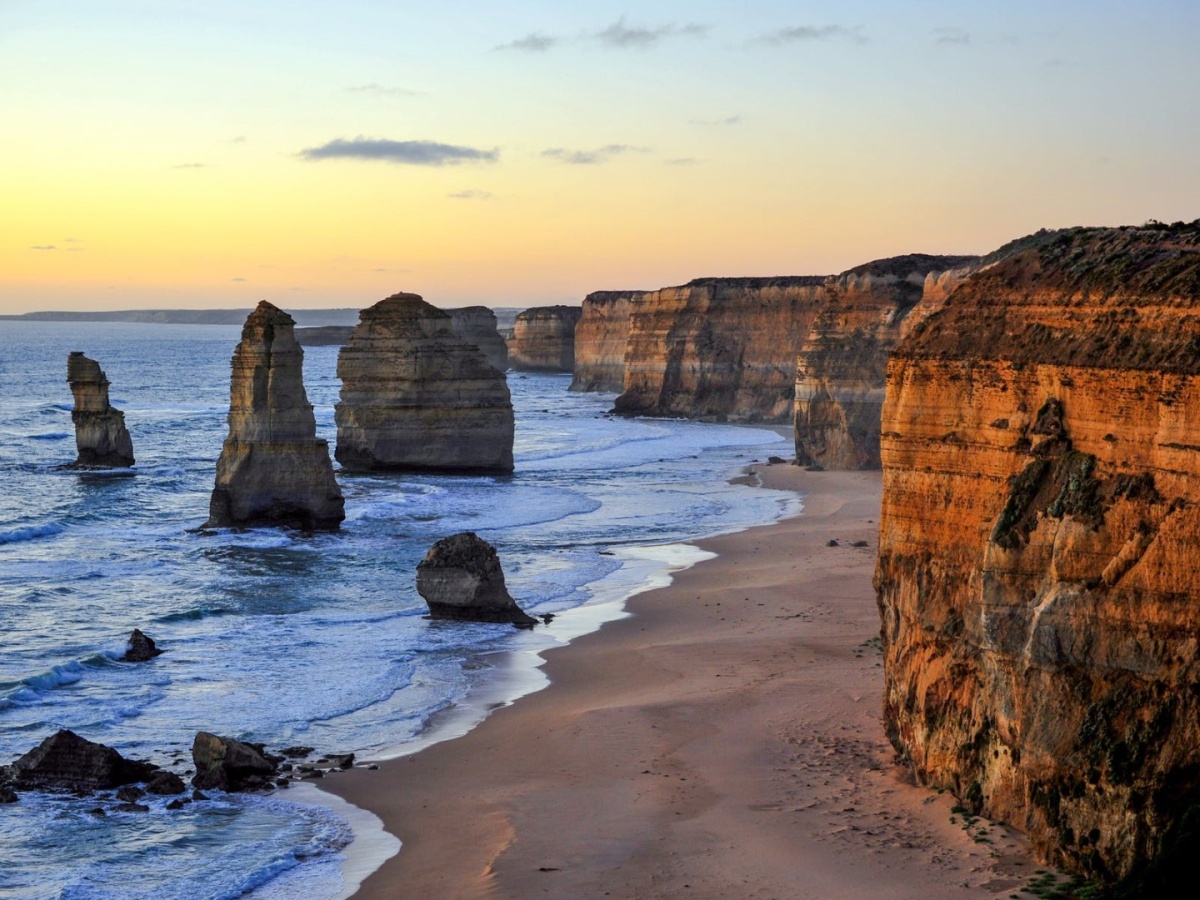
808 33
706 123
535 42
591 157
382 90
191 165
946 37
239 278
43 247
624 36
239 139
412 153
681 161
471 194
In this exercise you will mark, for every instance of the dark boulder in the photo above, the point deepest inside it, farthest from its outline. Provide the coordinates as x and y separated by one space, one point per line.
141 648
229 765
165 783
460 578
66 762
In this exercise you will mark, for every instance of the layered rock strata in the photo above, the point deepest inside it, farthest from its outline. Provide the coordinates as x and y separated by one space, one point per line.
544 339
601 339
273 470
460 578
842 363
100 433
477 325
416 396
1037 573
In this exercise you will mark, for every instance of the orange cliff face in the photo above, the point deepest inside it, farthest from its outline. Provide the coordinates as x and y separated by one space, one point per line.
1039 560
719 348
601 338
841 367
544 339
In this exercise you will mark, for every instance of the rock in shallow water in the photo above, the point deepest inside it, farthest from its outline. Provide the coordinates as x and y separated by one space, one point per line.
141 648
100 433
66 762
229 765
460 578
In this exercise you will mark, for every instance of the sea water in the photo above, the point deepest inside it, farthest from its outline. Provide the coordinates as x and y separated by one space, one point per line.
281 637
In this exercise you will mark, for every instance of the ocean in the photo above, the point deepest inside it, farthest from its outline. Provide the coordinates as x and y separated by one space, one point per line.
283 638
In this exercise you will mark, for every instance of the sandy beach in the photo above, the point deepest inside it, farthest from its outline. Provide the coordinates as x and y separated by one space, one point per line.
723 741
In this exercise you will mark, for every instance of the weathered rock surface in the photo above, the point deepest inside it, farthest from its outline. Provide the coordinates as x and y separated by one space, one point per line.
719 348
544 339
601 339
1037 572
141 648
418 397
67 762
324 335
460 578
229 765
477 325
100 433
842 363
273 470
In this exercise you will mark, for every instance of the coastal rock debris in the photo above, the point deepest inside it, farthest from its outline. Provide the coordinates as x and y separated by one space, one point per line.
230 765
460 578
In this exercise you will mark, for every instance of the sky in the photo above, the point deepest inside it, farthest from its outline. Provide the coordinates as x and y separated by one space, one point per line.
327 154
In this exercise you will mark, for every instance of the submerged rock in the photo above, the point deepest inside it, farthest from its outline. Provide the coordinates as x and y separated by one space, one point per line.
229 765
100 434
460 578
141 648
273 469
66 762
416 396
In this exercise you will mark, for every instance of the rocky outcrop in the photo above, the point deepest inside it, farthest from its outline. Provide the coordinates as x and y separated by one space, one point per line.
601 339
842 363
418 397
100 434
324 335
66 762
460 578
273 470
1040 527
719 348
477 325
544 339
226 764
141 648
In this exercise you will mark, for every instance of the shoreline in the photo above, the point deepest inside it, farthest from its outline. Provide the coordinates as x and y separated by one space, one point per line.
694 749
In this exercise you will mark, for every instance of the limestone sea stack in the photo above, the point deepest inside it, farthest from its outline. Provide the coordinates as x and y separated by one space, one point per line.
100 434
544 339
1037 572
273 469
460 578
601 339
842 364
477 325
416 396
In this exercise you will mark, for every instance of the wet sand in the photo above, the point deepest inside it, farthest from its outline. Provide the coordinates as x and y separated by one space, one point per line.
726 740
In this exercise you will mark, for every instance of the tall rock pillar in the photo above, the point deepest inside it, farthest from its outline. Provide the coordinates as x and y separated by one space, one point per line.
100 433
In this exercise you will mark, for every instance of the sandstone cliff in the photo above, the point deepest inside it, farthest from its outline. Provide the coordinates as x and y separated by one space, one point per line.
477 325
417 396
719 348
544 339
1037 573
601 338
100 434
842 363
273 470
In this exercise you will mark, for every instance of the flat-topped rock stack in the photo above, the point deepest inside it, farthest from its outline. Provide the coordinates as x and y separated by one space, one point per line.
544 339
101 438
417 396
477 324
273 470
601 338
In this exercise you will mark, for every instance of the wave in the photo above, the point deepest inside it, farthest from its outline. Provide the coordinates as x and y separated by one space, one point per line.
50 436
195 614
30 532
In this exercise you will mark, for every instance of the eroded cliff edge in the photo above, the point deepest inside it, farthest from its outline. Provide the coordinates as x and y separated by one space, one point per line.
544 339
1037 574
601 339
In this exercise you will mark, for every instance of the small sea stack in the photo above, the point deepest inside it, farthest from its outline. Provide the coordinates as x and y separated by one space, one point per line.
477 324
460 578
273 469
544 339
417 396
100 433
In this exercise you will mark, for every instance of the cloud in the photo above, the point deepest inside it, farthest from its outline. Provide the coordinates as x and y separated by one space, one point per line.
591 157
72 241
239 278
240 139
623 36
189 166
681 161
728 120
951 37
536 42
412 153
43 247
380 90
805 33
471 194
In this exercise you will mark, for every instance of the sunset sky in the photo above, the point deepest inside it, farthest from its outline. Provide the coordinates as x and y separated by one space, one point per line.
211 154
